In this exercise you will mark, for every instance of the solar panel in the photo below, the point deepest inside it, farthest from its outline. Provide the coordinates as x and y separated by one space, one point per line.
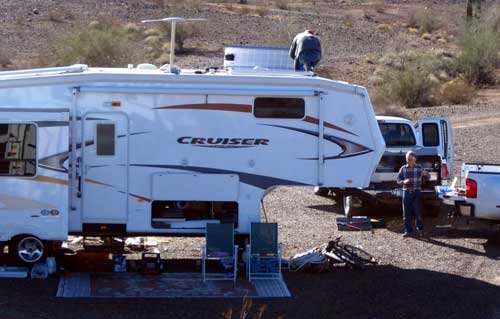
255 58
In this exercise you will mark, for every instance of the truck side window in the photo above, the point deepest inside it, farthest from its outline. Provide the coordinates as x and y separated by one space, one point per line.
430 134
285 108
105 139
17 149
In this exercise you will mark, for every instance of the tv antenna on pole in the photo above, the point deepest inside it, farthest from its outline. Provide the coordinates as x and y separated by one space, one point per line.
173 21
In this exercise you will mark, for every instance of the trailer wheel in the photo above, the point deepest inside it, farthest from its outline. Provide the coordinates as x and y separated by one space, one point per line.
321 191
26 249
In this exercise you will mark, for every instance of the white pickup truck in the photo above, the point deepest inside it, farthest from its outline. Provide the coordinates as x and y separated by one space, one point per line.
430 138
478 195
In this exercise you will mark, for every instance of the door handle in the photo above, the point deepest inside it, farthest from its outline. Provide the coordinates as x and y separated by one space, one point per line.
35 216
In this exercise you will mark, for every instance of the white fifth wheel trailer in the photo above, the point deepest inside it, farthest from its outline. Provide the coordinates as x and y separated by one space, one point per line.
142 151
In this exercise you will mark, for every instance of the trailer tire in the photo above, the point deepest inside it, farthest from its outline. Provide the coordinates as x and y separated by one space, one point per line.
26 249
321 191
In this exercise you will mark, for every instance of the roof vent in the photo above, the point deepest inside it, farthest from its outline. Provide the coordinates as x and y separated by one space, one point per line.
147 66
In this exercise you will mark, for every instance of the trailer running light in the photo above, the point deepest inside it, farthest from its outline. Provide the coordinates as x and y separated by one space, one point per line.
470 188
54 212
444 172
45 212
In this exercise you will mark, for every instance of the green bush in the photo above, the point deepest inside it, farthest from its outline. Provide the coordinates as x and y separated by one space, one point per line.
103 43
411 85
480 45
424 21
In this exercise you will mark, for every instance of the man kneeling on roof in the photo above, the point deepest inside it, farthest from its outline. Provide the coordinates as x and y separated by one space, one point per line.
306 50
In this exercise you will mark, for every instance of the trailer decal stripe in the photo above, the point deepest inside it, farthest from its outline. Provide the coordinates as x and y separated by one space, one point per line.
48 179
141 198
349 148
313 120
245 108
260 181
88 180
55 162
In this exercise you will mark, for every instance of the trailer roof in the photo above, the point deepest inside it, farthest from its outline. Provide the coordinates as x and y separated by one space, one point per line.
81 73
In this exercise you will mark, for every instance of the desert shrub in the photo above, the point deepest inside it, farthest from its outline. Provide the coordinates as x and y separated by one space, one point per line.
261 11
379 6
103 43
456 91
281 4
424 21
4 59
245 10
411 85
480 44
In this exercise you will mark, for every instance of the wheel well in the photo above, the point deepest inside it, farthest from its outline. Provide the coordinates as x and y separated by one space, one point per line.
19 236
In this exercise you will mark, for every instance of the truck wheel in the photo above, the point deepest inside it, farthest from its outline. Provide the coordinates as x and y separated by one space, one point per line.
321 191
26 249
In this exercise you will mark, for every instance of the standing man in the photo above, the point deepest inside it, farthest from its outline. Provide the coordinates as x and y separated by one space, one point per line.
410 177
306 51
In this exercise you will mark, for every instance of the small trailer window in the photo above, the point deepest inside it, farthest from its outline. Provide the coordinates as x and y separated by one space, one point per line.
105 139
284 108
430 134
17 149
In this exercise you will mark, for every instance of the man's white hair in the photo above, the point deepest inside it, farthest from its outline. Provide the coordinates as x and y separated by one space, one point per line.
410 153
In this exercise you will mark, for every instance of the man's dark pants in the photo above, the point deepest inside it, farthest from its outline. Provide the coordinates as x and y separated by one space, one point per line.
412 203
306 61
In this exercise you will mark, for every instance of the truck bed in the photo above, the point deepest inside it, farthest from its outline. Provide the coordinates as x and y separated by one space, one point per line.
478 195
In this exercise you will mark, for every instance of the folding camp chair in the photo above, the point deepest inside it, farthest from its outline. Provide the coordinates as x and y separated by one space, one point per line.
220 244
264 252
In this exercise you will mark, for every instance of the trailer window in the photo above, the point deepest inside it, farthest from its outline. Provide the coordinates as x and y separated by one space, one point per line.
285 108
17 149
105 139
397 134
430 134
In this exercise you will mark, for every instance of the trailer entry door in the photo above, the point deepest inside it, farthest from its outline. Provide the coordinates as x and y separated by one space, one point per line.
105 168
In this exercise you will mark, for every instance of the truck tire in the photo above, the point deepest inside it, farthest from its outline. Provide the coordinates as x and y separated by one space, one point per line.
321 191
26 249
